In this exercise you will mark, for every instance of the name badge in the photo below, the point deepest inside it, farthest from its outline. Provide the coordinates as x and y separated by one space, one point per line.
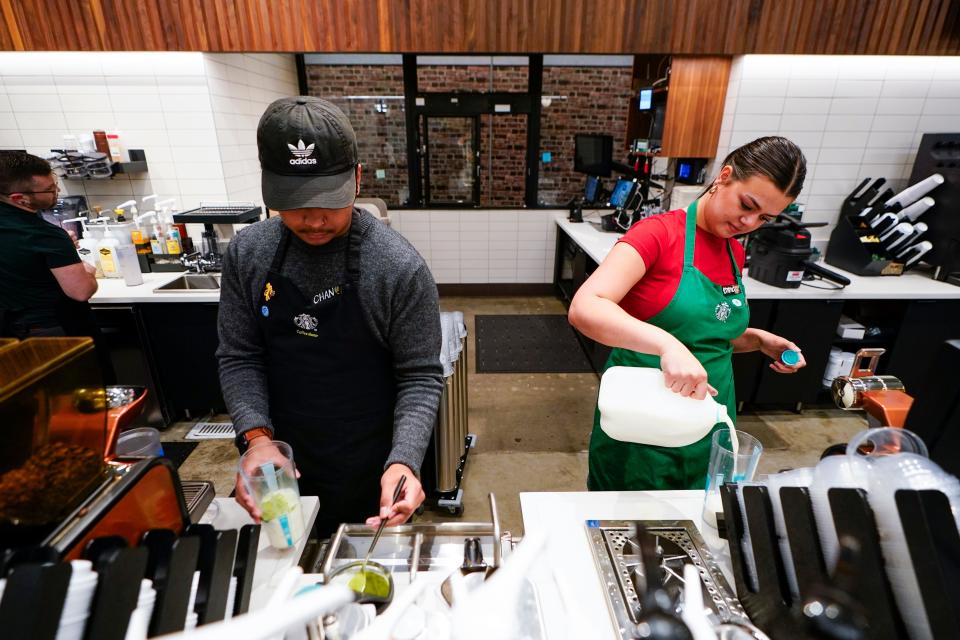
731 290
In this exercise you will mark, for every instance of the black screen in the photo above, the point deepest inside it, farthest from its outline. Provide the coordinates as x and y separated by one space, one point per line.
593 154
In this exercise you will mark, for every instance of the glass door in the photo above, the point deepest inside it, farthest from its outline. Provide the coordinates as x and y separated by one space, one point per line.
451 160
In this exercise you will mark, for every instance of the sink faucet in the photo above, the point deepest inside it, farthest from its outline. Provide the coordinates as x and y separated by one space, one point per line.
197 263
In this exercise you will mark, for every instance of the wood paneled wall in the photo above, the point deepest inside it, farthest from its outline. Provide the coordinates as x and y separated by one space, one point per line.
704 27
698 88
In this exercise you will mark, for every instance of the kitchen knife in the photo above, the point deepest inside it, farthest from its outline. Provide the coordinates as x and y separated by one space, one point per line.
896 234
884 223
879 203
867 196
915 252
917 209
914 192
918 230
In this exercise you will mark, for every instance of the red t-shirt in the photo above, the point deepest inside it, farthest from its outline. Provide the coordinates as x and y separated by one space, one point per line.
659 241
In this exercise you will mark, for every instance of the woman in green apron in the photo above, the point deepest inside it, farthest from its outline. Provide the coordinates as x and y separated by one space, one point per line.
670 295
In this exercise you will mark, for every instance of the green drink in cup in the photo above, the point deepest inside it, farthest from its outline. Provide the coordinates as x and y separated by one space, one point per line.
270 477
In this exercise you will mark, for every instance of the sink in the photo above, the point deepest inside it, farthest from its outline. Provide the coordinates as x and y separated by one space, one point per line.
191 282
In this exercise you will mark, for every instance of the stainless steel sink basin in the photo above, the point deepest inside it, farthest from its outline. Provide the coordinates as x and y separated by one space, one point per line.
191 282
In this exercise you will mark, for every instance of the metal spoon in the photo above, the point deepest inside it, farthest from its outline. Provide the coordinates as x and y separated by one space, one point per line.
376 537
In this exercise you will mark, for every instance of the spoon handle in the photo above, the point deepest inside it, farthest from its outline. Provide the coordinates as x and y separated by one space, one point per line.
383 521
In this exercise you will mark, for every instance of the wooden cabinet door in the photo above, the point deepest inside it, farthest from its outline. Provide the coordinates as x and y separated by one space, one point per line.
695 100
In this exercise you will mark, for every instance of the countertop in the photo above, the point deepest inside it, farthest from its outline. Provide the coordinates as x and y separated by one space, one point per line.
910 286
115 291
572 598
271 563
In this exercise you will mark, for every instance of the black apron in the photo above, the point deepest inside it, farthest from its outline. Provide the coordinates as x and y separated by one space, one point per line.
332 390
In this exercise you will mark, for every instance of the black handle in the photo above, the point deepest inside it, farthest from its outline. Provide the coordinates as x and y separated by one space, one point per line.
825 273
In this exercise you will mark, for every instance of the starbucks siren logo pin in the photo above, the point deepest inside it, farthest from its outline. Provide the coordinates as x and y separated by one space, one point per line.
722 311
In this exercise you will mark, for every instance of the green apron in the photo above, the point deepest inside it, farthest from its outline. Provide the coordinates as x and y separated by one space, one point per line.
705 317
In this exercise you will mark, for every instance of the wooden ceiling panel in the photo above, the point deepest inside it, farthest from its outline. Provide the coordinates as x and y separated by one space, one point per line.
703 27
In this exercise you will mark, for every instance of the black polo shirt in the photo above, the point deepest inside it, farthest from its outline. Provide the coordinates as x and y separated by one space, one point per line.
29 247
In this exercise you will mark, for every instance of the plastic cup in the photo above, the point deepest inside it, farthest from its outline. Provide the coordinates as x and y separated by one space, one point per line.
270 477
139 443
725 466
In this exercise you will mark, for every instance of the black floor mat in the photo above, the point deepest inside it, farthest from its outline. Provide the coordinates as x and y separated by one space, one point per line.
528 344
177 452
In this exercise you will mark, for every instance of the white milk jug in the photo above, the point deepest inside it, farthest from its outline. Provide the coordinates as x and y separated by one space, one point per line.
636 406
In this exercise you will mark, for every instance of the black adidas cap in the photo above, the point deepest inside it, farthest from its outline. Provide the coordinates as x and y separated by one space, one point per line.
308 154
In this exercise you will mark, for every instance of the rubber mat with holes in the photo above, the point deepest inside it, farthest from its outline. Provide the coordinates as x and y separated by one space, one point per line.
528 344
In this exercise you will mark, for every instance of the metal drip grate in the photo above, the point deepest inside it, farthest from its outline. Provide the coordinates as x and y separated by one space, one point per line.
198 494
617 558
211 431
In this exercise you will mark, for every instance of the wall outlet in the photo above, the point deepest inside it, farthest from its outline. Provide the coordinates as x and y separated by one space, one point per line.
381 174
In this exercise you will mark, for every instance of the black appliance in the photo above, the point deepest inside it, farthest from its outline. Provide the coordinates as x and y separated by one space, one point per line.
691 170
935 414
593 154
940 153
780 254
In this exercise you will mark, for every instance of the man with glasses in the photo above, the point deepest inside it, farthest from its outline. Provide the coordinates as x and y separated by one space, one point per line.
44 286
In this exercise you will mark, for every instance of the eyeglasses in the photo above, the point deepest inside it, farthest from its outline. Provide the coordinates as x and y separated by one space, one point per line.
54 189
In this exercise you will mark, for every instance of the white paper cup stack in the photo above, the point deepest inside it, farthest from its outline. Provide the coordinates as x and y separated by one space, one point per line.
191 620
794 478
834 472
887 475
139 624
76 607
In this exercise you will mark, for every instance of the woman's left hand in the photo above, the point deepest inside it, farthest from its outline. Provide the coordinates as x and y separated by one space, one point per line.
773 345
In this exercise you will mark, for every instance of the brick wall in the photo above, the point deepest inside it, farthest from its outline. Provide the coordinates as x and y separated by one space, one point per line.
381 137
597 101
592 100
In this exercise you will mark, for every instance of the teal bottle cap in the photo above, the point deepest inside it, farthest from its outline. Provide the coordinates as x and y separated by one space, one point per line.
790 358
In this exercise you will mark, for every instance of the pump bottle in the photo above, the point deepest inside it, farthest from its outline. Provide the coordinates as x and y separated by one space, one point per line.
109 258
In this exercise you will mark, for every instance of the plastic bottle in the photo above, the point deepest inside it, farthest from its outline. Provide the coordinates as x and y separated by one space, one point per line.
636 406
174 243
107 252
87 250
116 148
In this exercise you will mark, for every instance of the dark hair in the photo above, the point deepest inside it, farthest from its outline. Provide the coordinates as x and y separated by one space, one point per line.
774 157
18 168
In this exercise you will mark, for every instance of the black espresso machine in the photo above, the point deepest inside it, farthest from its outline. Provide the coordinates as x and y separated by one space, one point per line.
780 254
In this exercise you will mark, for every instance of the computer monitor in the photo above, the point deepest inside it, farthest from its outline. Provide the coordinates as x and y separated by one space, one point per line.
593 154
591 189
645 99
622 193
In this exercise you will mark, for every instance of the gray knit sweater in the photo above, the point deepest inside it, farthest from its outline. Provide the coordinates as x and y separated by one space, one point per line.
399 300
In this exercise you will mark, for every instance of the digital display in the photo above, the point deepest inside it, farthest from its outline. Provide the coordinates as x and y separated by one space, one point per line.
684 170
591 188
645 99
622 193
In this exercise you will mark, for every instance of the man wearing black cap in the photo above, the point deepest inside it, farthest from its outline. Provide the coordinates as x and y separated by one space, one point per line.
329 327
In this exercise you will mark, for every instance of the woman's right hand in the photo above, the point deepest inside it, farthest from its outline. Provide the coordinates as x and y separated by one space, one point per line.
265 452
683 373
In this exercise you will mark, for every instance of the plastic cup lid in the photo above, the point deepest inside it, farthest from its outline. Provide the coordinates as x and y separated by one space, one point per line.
790 357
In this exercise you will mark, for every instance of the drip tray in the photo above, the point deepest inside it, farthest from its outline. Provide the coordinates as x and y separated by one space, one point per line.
617 558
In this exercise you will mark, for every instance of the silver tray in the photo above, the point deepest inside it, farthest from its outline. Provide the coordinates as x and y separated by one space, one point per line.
616 556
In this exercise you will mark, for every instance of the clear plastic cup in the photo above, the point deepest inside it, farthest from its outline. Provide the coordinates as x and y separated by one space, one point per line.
270 477
725 467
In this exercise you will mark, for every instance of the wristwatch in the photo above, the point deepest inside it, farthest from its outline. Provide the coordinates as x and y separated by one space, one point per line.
243 439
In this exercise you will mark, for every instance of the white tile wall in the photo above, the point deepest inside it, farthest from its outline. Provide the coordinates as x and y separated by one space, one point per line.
195 115
483 245
853 116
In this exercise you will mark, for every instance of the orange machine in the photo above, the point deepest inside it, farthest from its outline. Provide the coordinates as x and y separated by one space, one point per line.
60 484
883 398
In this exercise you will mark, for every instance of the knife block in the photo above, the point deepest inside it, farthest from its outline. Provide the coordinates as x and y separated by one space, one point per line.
847 252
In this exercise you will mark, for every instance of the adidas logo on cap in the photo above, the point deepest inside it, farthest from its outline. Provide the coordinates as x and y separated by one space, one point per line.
302 153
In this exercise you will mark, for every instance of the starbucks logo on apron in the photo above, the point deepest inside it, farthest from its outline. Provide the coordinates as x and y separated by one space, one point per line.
722 311
305 322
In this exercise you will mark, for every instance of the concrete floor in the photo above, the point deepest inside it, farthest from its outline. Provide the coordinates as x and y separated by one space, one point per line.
533 429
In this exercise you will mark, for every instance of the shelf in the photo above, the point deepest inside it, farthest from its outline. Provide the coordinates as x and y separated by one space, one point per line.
863 342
